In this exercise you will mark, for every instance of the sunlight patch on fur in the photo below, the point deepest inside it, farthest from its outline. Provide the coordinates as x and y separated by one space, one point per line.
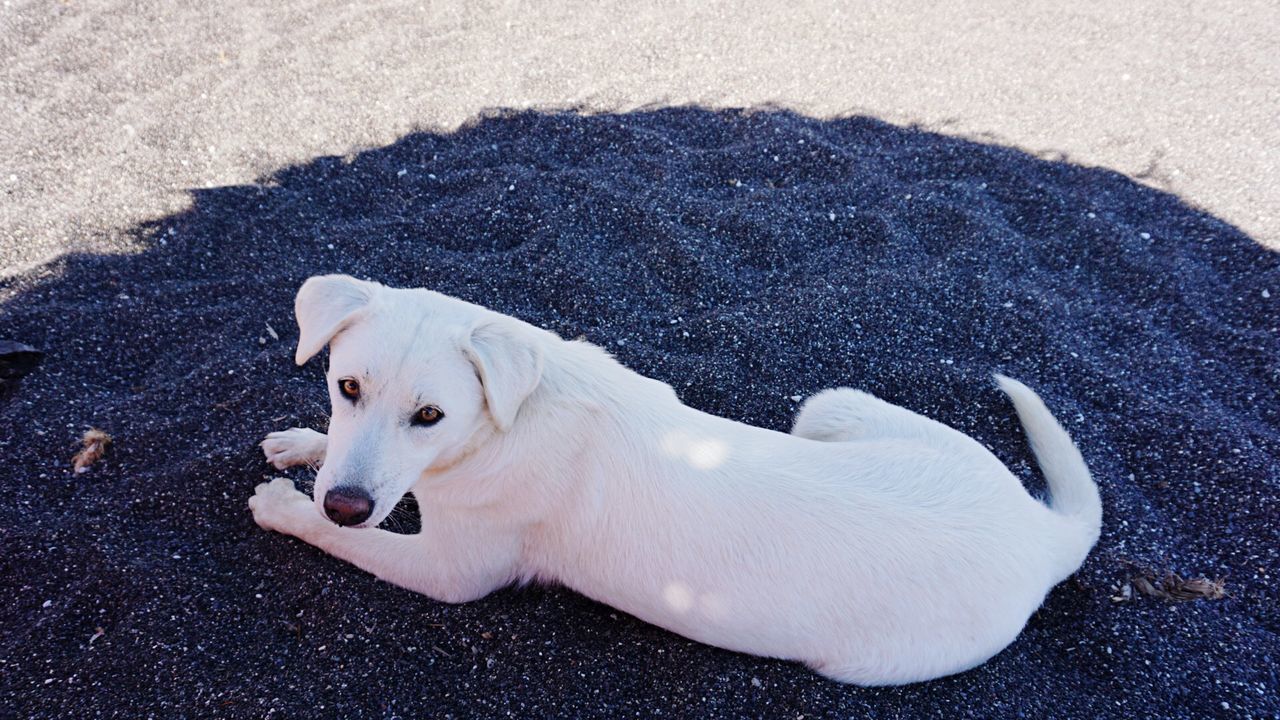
678 596
699 452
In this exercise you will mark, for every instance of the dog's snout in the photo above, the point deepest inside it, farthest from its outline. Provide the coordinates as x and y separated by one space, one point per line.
348 506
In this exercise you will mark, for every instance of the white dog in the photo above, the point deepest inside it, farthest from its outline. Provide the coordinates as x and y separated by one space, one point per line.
872 544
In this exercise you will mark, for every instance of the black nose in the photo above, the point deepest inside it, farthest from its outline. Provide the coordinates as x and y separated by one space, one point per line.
348 506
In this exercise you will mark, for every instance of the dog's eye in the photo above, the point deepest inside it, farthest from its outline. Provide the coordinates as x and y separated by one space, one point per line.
349 388
428 415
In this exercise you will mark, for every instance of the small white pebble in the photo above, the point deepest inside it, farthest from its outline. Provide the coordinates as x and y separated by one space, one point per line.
755 682
907 196
1093 215
330 246
1145 236
258 595
1226 705
796 398
1266 293
620 343
47 603
1008 304
402 173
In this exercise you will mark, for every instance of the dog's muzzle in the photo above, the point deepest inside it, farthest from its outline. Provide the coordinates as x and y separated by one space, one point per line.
348 506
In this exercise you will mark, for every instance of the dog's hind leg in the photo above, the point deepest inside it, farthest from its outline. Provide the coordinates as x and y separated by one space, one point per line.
845 415
295 446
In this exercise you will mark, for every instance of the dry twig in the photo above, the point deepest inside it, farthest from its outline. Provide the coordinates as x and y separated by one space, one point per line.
1172 586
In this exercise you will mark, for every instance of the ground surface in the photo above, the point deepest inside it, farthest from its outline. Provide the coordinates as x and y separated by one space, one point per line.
175 174
745 258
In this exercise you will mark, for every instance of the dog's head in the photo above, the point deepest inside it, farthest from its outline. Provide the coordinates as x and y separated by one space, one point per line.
416 381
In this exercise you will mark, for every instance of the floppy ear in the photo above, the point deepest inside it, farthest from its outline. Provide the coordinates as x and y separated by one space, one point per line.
325 305
508 361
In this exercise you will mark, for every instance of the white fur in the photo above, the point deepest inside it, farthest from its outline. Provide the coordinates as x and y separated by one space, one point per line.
872 544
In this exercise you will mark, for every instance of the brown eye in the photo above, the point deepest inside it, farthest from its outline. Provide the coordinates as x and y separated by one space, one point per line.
349 388
428 415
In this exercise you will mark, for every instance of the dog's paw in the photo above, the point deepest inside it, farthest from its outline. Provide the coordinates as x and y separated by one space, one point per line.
278 506
295 446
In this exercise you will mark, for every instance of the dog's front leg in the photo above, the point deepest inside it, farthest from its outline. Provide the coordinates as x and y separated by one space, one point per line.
415 562
295 446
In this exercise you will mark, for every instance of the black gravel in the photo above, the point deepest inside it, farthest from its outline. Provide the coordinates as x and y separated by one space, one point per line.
749 259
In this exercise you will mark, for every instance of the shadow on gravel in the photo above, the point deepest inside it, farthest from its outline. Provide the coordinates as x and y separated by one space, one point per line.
748 258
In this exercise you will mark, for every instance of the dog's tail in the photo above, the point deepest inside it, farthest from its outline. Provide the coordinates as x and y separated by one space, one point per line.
1072 492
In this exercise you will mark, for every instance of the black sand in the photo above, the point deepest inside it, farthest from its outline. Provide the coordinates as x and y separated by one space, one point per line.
747 259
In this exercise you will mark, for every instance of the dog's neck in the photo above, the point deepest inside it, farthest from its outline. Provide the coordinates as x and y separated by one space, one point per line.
585 404
587 375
